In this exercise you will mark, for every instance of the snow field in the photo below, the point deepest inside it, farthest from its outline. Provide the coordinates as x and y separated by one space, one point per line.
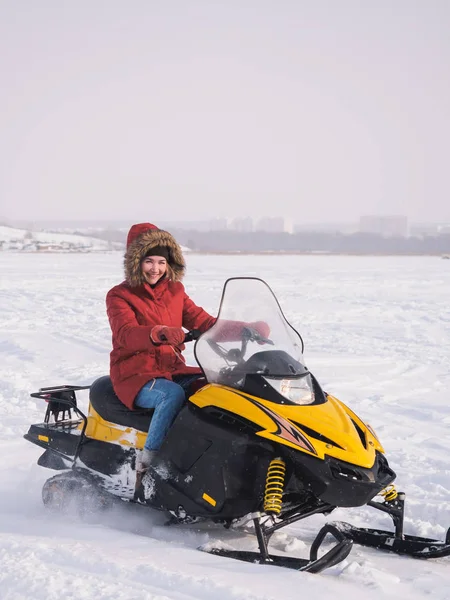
377 336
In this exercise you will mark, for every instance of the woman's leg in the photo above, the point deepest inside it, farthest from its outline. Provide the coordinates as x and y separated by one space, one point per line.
190 383
166 398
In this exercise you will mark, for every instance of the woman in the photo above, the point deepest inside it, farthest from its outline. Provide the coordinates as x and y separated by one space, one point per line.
147 312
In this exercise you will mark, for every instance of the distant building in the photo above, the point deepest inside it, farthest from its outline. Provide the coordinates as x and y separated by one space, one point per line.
332 228
444 229
429 229
273 224
423 230
218 224
243 224
185 225
384 225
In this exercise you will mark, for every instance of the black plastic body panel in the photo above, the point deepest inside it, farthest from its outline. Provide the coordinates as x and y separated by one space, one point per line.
339 483
215 470
63 437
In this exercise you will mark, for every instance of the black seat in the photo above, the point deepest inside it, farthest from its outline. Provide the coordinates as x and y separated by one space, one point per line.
105 402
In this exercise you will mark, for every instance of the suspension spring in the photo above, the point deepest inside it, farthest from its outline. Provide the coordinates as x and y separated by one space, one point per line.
389 493
273 495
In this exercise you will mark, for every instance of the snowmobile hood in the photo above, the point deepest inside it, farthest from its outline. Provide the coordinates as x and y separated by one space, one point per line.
327 429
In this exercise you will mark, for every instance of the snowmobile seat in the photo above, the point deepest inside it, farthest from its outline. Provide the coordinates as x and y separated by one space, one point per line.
105 402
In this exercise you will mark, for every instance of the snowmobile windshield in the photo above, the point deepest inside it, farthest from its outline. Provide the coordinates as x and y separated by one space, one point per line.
252 337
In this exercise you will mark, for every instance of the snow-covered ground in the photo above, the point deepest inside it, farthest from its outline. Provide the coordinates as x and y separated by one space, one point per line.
23 239
377 335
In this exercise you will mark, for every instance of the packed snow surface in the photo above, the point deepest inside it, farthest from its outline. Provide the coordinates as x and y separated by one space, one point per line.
377 335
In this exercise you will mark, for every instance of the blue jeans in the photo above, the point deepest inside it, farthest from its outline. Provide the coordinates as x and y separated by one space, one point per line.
166 398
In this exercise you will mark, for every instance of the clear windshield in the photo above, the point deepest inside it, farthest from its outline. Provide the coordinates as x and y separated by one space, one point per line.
251 335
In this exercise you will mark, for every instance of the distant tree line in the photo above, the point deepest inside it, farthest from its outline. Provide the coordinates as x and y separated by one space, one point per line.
304 242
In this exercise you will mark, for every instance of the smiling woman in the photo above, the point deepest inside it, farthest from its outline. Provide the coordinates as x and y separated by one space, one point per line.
154 266
147 314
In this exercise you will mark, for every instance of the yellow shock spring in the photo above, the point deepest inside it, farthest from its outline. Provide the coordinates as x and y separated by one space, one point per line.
273 495
390 493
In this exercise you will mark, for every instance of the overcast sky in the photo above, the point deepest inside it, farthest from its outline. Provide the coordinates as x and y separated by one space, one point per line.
319 110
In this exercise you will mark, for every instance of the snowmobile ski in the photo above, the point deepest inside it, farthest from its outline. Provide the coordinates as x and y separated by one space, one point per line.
410 545
397 541
314 564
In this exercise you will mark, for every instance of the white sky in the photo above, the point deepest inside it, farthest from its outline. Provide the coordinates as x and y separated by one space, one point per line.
143 109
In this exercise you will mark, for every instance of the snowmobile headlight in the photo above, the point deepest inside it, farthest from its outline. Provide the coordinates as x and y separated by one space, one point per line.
299 391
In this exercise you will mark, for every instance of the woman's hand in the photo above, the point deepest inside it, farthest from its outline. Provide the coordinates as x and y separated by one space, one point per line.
261 327
232 331
161 334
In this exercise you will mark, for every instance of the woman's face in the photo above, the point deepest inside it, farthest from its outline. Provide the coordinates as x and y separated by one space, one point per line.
153 268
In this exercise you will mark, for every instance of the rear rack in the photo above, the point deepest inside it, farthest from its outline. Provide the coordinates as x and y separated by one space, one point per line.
61 401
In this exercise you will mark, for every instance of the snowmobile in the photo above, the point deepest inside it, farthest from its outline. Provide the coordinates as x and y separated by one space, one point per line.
260 442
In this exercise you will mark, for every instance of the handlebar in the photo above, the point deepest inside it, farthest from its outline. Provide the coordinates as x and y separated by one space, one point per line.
192 335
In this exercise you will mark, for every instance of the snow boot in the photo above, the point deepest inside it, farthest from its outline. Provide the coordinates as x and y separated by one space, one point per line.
144 460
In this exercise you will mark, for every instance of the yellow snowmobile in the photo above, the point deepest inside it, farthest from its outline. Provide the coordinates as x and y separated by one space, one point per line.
260 441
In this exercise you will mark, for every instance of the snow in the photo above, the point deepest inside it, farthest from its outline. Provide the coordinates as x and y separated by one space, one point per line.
20 239
10 234
377 335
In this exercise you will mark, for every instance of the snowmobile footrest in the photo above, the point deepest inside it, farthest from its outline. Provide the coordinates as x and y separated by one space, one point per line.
417 547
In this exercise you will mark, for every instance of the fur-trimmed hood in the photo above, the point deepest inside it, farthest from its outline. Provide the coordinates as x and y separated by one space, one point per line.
142 238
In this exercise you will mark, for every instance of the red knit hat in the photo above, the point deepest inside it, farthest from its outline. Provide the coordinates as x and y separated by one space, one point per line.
137 230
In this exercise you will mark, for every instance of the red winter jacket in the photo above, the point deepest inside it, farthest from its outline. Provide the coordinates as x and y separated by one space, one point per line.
132 313
134 308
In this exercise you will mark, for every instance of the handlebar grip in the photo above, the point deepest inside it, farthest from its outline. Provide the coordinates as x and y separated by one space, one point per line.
192 335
